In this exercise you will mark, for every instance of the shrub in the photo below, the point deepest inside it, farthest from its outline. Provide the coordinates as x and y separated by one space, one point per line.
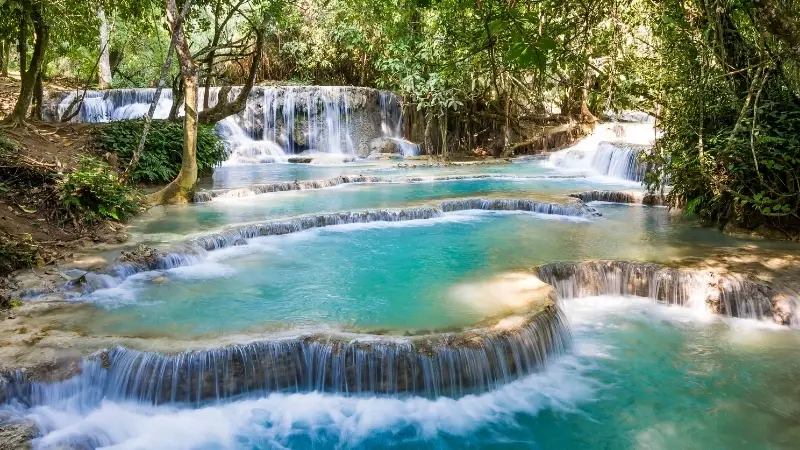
94 193
161 159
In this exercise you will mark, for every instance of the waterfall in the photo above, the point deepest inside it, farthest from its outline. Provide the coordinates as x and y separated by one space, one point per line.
450 364
392 123
699 289
277 120
617 160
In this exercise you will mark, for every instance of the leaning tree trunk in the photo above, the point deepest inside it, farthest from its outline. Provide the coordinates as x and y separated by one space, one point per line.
104 74
28 86
181 189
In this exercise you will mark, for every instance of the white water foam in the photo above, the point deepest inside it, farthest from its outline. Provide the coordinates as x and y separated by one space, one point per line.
275 420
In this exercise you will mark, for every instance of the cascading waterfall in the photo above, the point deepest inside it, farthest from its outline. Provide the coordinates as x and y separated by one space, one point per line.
392 123
285 186
619 161
694 289
277 121
612 150
616 160
451 364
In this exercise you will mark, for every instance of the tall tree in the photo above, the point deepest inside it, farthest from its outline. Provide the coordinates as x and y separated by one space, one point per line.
104 66
33 10
181 189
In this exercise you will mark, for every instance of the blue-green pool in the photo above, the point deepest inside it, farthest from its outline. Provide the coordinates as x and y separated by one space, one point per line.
641 376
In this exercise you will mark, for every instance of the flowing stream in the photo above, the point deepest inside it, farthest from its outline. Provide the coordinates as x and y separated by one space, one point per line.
363 274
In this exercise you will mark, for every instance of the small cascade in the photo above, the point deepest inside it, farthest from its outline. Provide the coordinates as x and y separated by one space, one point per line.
243 149
619 161
451 364
697 289
616 160
612 150
620 197
285 186
195 248
518 205
240 235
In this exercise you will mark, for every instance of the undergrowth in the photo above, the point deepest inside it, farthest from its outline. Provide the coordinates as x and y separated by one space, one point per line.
93 193
160 161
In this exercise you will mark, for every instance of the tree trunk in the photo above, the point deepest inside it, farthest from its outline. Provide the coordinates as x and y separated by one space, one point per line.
105 79
28 85
586 115
38 96
181 189
22 44
427 137
177 98
5 55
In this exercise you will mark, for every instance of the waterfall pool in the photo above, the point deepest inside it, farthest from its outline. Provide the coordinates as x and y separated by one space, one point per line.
640 375
383 275
388 306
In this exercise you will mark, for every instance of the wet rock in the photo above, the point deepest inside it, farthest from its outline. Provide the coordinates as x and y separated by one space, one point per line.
161 279
384 145
17 435
142 256
301 159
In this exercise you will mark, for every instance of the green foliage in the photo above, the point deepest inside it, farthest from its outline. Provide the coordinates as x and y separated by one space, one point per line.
731 117
93 193
160 161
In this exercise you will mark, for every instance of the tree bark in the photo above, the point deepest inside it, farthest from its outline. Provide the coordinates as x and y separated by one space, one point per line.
28 85
105 79
22 44
181 189
586 115
5 55
38 96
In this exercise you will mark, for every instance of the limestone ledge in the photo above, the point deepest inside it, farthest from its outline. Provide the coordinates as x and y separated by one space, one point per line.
34 339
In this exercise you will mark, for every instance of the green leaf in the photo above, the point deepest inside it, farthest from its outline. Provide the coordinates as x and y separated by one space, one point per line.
547 43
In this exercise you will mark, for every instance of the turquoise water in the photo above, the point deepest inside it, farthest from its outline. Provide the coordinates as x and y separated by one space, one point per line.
174 223
384 275
234 176
641 376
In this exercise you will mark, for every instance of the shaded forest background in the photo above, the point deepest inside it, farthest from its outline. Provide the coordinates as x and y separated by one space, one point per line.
477 76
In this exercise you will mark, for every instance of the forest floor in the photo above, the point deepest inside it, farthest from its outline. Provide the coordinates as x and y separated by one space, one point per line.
31 159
